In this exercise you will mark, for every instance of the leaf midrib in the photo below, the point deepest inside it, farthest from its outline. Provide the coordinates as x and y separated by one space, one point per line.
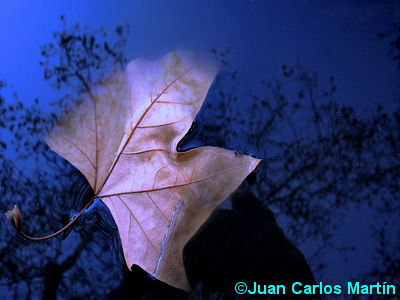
134 129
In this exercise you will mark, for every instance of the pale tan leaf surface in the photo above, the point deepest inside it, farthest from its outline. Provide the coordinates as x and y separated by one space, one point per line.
91 133
157 196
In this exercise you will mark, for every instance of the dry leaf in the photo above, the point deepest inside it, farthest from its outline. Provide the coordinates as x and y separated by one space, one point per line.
123 138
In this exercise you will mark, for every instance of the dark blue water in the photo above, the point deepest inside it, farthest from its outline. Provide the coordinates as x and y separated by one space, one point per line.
257 42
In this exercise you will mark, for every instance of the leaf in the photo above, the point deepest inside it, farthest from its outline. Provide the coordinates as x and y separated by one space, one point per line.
123 137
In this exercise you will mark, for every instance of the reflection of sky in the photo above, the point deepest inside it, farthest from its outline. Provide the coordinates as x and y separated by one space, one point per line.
337 39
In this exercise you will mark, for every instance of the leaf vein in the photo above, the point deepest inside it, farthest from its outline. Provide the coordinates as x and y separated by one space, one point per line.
137 124
172 186
77 147
140 225
152 200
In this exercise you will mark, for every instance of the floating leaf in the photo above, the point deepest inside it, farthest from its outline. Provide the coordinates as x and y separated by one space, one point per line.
123 137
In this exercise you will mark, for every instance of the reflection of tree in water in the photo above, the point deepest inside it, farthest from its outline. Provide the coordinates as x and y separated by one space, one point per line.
48 189
319 157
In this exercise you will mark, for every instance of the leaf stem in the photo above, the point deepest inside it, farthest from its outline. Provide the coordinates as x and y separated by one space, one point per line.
31 238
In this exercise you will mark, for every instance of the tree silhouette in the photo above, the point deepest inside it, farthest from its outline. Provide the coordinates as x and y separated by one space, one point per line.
320 156
48 189
387 259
